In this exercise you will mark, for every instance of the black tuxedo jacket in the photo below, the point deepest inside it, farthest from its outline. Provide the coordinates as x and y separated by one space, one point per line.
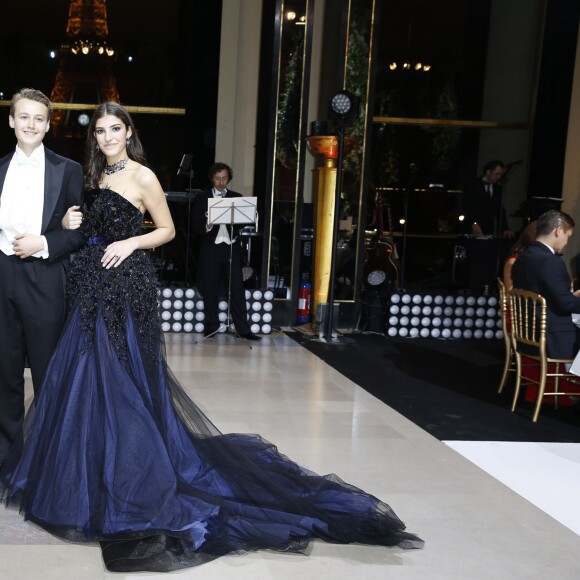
538 269
63 183
485 209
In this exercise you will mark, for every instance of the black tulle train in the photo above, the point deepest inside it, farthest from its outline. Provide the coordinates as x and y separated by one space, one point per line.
115 452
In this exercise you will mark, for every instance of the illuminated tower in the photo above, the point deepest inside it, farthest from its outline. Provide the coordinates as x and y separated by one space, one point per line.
85 72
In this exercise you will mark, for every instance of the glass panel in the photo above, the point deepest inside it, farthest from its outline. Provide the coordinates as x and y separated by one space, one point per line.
286 170
356 81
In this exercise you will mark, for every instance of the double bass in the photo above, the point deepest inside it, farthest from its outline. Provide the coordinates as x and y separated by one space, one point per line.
382 263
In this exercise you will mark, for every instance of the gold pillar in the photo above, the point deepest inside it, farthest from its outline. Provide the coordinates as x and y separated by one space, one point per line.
325 149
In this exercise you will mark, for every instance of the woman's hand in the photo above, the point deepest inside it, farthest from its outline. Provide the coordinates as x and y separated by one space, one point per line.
117 252
73 218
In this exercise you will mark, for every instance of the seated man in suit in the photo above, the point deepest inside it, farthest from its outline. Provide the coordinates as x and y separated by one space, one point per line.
541 269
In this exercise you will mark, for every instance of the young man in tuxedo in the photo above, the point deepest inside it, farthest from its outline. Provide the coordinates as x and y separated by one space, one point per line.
37 186
541 269
213 276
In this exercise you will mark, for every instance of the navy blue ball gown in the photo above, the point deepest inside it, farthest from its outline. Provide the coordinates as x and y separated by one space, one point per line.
115 452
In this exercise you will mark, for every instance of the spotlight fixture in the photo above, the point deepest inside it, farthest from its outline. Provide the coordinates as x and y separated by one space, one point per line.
291 15
343 108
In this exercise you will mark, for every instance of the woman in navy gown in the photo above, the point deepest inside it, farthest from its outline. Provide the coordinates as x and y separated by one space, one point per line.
115 452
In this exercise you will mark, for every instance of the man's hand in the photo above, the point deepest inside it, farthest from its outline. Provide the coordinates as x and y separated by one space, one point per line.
26 245
508 234
476 230
73 218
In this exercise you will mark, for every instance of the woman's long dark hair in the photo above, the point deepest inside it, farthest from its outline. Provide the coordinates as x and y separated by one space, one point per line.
95 160
525 239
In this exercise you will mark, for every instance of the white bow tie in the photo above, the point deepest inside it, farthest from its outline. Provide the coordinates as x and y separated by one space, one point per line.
30 161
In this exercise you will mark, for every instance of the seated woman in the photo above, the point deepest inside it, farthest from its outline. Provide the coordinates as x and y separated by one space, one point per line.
527 236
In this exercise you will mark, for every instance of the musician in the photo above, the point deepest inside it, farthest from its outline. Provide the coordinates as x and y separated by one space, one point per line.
485 217
216 247
483 203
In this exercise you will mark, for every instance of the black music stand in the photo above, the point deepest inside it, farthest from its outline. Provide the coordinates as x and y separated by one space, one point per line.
231 211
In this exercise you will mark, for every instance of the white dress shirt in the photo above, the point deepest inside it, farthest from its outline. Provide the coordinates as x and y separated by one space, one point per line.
223 236
22 199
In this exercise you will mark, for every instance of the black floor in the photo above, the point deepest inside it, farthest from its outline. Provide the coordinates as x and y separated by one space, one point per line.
447 387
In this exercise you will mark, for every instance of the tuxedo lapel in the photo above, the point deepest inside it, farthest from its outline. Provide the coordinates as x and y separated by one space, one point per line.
4 164
53 178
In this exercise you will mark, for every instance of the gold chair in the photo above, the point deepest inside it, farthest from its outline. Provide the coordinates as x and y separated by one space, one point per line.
510 361
528 327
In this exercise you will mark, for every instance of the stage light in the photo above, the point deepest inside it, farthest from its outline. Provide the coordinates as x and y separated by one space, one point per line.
165 326
376 277
405 310
199 316
178 304
290 15
166 315
395 299
189 315
177 315
188 327
394 309
417 299
392 331
190 293
222 316
343 108
178 293
393 66
266 317
266 329
200 305
166 304
199 327
223 305
176 327
416 310
167 292
189 304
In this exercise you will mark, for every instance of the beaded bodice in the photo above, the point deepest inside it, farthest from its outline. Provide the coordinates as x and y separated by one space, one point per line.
113 293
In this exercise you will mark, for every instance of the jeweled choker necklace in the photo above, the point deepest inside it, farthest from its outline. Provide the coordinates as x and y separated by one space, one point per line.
119 166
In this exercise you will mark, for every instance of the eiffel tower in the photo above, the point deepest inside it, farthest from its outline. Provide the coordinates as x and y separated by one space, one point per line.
85 72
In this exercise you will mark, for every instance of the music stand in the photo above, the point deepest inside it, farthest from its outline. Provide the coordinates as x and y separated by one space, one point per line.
231 211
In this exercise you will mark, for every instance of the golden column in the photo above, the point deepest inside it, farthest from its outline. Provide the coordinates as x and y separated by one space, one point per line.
325 150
